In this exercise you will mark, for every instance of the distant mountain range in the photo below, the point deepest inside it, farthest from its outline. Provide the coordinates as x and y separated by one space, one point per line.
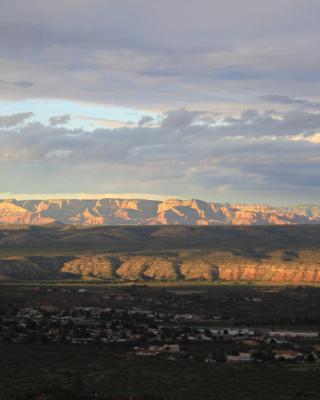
109 211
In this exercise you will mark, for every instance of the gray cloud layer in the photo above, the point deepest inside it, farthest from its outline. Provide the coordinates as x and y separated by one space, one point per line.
59 120
163 55
21 84
199 63
7 121
282 99
255 157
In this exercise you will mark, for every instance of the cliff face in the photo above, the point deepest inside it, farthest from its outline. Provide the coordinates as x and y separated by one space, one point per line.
224 266
150 212
219 266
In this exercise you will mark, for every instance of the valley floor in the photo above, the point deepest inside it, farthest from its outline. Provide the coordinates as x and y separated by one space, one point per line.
170 342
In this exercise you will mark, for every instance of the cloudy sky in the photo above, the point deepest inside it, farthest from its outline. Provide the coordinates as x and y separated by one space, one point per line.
192 99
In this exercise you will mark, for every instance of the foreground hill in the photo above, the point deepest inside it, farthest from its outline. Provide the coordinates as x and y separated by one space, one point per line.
151 212
289 254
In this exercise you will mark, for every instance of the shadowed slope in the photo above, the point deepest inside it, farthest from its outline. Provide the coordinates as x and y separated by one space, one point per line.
258 253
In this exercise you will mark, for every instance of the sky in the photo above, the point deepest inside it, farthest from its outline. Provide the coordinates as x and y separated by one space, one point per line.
158 99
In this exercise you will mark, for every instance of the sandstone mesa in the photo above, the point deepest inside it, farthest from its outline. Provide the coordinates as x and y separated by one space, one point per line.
151 212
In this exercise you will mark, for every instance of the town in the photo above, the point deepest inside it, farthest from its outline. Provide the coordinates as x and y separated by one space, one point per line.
146 322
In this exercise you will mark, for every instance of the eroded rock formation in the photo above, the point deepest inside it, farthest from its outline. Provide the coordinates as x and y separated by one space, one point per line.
150 212
223 266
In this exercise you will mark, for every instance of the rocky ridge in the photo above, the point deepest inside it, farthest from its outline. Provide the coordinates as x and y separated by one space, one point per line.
151 212
221 265
188 266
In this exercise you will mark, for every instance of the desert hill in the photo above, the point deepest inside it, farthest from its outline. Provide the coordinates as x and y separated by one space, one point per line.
150 212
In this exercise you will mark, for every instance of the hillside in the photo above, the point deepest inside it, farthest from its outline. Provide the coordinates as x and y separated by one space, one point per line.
150 212
289 254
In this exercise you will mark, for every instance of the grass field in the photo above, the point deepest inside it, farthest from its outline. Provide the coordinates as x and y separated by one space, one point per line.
71 371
